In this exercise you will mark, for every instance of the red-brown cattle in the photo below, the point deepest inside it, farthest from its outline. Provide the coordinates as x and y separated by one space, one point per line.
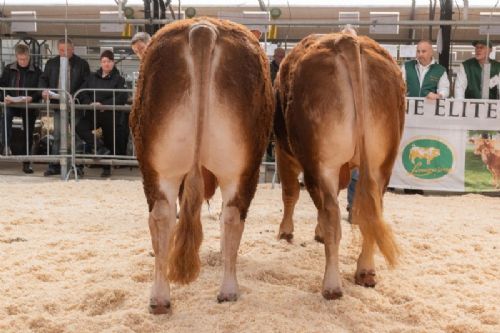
203 107
490 157
341 104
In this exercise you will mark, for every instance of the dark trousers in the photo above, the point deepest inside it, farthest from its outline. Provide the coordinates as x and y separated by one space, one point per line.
104 120
29 118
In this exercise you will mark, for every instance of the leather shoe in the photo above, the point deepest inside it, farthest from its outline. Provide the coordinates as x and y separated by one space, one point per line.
27 168
51 172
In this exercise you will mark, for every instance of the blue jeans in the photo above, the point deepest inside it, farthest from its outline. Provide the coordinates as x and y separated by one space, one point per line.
352 187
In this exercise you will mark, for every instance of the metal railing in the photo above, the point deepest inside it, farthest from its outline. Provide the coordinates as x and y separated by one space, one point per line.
27 110
93 156
75 151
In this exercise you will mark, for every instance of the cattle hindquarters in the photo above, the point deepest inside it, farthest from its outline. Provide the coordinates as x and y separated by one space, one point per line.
201 117
337 115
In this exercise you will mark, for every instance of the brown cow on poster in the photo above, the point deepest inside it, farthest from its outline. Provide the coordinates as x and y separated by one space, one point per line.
203 107
490 156
341 104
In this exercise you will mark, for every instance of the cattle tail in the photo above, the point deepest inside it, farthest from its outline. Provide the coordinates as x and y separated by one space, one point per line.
184 260
367 210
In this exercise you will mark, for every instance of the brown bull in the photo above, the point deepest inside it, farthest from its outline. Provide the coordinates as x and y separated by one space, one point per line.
341 105
490 157
203 107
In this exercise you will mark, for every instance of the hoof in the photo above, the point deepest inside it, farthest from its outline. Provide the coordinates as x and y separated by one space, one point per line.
319 239
157 309
221 298
332 294
287 237
366 278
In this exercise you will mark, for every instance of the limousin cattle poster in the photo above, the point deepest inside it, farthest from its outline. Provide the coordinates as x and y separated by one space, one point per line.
449 145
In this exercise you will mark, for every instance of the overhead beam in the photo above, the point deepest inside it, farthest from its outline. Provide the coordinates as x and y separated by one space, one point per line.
313 23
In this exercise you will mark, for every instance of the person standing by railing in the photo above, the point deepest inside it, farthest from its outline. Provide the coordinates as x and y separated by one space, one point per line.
78 71
106 77
469 77
424 77
274 66
139 44
22 73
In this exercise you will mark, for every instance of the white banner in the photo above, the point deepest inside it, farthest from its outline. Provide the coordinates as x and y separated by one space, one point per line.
449 145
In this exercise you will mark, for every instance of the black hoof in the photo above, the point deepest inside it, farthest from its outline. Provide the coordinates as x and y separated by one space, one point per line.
332 294
287 237
157 309
366 279
227 298
319 239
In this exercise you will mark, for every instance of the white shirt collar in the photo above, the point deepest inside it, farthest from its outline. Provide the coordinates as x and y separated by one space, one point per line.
421 67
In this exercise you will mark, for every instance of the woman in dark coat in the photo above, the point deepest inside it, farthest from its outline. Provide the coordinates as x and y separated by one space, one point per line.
106 77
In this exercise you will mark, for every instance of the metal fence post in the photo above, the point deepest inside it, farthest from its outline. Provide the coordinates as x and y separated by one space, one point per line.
63 113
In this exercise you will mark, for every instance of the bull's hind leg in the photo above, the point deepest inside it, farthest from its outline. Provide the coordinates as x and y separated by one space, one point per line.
365 271
161 225
231 231
329 222
289 170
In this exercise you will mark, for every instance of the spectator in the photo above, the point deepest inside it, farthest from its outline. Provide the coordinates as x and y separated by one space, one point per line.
78 71
470 75
139 43
22 73
351 192
278 56
274 66
106 77
424 77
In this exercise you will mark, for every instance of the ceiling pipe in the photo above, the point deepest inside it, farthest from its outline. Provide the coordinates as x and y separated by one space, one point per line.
313 23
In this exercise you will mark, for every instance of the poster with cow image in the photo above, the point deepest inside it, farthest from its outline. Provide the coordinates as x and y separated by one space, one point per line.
449 145
482 161
430 159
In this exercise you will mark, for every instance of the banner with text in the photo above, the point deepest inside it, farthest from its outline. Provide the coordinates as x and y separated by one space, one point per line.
449 145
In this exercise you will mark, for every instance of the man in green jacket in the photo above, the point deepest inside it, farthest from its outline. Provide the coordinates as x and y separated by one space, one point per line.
424 77
470 75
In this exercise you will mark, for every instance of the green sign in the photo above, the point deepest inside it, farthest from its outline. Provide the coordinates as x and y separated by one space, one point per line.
427 158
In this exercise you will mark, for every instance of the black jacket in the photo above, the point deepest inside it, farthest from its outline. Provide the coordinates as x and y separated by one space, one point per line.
11 77
79 71
111 81
274 67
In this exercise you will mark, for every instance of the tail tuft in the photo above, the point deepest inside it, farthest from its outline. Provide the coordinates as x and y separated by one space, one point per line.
370 219
184 259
